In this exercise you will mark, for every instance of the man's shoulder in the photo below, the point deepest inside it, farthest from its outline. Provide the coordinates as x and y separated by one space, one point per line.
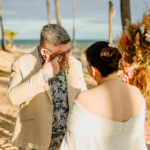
73 60
22 57
26 58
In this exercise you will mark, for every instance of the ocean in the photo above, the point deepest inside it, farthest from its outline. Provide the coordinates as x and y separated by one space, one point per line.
31 44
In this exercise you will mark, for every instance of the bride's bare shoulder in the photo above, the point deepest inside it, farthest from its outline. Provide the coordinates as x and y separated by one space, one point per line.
83 96
132 88
134 92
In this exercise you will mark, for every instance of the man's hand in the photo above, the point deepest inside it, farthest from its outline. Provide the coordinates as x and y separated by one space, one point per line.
52 68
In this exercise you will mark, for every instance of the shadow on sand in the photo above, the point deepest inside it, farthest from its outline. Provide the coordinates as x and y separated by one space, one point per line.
6 127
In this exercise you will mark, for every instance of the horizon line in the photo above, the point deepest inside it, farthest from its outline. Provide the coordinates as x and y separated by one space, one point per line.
71 40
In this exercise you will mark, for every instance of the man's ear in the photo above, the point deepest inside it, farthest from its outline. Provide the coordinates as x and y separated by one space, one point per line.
43 52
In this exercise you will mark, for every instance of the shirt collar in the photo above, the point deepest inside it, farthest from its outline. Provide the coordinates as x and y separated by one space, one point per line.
41 58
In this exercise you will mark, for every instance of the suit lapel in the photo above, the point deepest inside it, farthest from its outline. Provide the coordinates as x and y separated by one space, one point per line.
38 65
48 91
71 73
72 81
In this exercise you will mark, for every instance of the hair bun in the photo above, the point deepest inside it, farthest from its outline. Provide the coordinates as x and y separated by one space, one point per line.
104 58
110 55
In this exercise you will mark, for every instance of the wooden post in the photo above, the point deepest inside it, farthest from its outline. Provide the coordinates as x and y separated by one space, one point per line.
82 52
48 12
58 14
110 21
74 41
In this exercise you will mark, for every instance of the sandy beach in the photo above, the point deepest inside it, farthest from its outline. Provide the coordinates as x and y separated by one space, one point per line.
8 112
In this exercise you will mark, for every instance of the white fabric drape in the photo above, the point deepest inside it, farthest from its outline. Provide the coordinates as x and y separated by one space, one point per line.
86 131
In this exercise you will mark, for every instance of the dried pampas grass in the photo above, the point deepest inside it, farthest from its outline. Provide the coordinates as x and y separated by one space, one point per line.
122 42
141 80
136 48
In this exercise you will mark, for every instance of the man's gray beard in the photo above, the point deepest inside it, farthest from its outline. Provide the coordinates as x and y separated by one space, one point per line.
64 68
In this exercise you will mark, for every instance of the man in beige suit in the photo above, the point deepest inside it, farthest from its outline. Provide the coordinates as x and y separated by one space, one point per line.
44 83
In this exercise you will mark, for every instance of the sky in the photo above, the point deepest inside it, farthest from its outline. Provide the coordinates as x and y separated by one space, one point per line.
92 17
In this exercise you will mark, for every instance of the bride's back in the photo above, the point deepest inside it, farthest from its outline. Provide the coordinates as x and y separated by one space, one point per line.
99 117
112 100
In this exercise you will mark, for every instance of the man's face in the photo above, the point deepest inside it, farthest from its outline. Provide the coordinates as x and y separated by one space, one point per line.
56 50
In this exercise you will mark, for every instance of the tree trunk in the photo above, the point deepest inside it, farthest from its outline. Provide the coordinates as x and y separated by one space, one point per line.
74 41
2 30
58 15
125 12
110 21
48 12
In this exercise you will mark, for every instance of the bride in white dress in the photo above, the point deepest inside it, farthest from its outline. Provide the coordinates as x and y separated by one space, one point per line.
110 116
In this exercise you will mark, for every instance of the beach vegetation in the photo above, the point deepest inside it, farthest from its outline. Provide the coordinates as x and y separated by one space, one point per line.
2 73
10 35
3 47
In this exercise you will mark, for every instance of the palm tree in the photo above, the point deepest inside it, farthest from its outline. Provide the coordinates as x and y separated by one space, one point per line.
2 30
58 15
74 41
48 12
125 12
10 36
110 21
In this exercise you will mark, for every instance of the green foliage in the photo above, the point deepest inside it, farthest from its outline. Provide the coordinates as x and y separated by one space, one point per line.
10 36
2 73
79 59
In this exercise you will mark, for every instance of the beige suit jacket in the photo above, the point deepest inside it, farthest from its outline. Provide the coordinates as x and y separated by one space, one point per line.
33 127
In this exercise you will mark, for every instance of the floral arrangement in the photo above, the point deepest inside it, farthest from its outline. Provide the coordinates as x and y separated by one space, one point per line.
69 64
134 45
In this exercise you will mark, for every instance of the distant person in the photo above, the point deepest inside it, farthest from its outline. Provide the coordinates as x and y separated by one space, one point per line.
109 116
44 83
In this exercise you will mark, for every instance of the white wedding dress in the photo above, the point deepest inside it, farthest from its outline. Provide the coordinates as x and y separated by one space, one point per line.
86 131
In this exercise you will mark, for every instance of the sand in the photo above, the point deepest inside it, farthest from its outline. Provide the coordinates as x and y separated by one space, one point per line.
8 112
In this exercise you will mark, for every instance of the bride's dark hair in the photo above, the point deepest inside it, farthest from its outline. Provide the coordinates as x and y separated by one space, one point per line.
103 57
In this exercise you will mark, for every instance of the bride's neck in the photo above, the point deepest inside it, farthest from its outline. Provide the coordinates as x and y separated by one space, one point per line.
112 76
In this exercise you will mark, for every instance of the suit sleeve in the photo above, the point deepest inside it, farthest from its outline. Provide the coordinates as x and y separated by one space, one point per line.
19 91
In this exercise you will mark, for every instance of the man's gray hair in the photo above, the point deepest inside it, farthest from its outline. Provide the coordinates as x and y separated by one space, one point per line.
54 34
